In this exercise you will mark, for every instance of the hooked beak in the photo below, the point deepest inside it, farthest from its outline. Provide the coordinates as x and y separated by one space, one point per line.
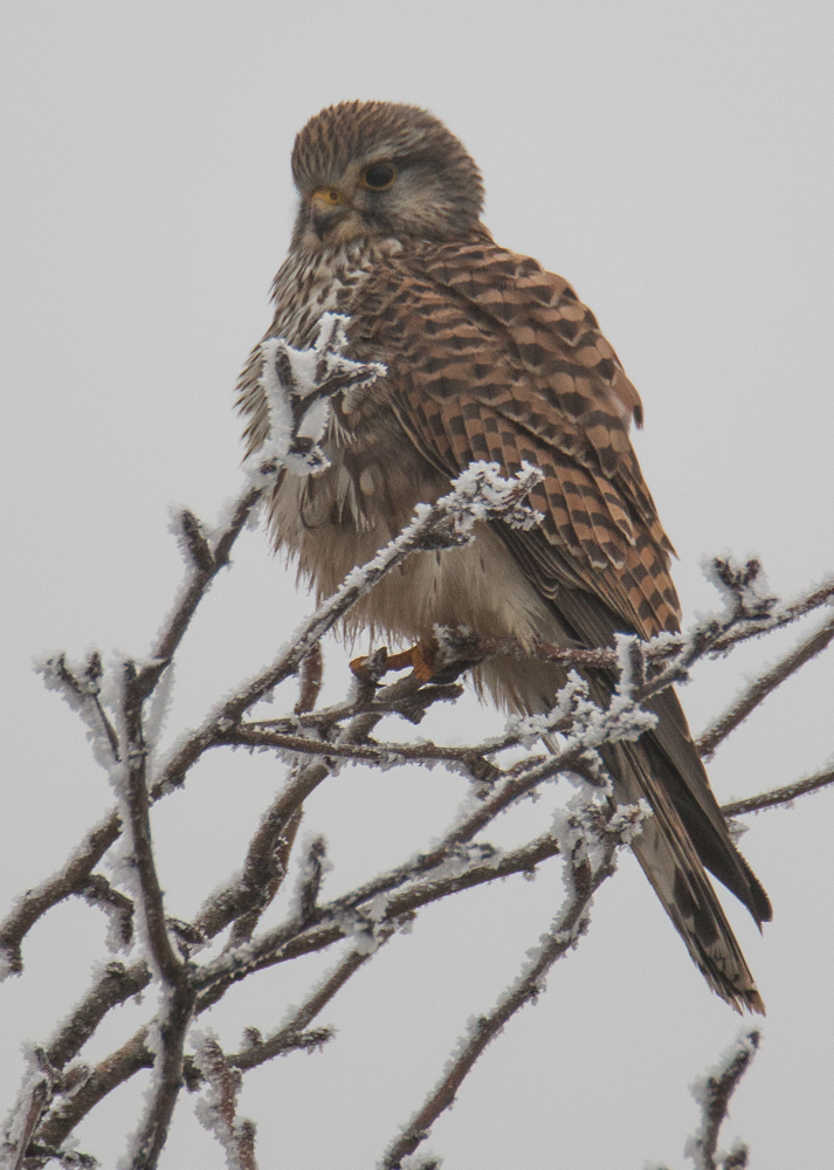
328 207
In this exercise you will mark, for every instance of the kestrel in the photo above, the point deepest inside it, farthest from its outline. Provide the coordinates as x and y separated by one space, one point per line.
488 357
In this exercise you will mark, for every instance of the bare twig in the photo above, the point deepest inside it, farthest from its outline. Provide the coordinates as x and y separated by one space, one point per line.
293 1031
83 690
764 685
713 1094
780 796
135 796
68 1159
206 563
152 1132
310 884
372 753
99 892
268 856
266 866
24 1117
194 539
310 676
741 628
218 1108
786 614
111 1072
71 879
114 986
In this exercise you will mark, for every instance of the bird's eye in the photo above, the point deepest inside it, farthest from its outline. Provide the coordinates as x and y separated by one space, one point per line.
379 176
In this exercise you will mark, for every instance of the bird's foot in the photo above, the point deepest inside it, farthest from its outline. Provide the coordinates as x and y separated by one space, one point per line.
419 657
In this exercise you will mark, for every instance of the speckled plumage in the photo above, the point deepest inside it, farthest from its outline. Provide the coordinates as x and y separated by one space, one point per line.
488 357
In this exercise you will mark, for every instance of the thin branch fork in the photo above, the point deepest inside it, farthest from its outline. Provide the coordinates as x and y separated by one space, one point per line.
135 1054
268 855
75 873
206 562
247 896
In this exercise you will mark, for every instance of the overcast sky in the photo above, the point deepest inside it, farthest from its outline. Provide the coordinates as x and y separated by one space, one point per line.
674 162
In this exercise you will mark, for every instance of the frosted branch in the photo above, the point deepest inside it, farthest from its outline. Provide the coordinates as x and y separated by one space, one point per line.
298 386
713 1094
765 684
776 797
565 931
33 1099
217 1109
304 392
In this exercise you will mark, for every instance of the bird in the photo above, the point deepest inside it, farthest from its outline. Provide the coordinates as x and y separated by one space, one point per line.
490 357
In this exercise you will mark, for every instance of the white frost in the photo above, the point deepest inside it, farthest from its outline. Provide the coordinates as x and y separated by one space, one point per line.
298 385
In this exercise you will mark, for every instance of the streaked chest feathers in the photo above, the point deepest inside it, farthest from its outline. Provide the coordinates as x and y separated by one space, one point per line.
335 520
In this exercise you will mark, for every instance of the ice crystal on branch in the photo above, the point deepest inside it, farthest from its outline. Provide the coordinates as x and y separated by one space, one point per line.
482 492
298 385
744 586
713 1093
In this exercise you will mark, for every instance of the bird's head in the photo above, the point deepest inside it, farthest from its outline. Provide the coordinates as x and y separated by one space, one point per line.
381 170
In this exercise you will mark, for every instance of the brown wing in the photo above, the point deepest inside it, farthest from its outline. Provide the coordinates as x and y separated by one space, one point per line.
493 358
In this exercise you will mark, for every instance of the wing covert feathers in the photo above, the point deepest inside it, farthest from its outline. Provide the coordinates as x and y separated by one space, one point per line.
491 357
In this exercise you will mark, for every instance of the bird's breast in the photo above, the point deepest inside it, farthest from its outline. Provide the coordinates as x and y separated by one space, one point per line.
334 521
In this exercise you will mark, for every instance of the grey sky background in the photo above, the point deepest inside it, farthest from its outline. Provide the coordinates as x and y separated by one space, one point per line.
673 161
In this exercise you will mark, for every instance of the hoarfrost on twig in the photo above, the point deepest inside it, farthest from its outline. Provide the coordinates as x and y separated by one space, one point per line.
298 385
